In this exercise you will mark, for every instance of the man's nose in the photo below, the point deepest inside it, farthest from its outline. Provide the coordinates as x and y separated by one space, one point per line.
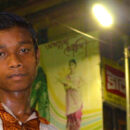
14 61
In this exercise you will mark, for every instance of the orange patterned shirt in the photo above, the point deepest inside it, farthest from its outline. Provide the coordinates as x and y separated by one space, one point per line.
11 123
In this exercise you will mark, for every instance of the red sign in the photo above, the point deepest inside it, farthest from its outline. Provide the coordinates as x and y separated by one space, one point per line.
115 81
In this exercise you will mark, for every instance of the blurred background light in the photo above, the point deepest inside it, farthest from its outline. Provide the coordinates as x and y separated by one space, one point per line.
102 15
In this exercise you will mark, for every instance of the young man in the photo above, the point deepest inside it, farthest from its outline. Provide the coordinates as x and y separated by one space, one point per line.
19 57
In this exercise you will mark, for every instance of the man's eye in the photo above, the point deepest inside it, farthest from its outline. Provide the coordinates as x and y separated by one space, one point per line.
24 50
2 54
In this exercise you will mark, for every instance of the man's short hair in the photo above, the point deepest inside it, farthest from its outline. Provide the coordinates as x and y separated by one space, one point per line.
9 20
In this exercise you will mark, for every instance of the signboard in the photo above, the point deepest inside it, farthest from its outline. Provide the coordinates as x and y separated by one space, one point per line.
114 83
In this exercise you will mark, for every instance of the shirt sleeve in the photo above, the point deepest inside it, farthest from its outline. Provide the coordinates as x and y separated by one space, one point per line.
1 124
47 127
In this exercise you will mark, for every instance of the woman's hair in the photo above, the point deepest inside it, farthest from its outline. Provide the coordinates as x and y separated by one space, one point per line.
72 61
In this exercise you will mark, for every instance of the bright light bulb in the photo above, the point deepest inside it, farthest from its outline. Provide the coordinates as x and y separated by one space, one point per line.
102 15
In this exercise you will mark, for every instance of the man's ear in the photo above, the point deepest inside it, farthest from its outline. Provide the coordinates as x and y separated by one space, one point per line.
37 56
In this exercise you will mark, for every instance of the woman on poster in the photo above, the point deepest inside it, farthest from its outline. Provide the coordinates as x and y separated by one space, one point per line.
72 84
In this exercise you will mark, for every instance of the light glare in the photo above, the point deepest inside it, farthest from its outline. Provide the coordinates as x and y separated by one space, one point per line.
102 15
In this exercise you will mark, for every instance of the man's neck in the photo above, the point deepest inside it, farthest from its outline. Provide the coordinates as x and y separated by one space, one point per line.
18 102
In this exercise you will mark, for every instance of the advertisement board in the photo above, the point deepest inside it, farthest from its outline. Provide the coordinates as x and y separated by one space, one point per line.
72 69
114 83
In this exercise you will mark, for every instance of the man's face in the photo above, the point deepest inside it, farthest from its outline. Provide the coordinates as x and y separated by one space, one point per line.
18 59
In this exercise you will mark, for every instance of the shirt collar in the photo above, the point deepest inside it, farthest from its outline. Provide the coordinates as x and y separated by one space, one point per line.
32 116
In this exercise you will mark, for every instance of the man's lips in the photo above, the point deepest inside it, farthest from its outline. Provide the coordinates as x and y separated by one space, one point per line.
17 76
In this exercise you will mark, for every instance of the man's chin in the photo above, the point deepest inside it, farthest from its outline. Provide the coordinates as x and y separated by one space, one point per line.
16 87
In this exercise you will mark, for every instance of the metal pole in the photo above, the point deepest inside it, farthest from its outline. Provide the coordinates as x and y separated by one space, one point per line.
126 54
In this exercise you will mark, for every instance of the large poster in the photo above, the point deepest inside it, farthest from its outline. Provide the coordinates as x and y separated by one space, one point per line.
72 68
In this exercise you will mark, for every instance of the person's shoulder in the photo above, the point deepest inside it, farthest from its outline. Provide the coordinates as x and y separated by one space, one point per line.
46 125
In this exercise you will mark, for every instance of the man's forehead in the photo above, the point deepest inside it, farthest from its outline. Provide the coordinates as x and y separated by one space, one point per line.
14 36
4 45
19 30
